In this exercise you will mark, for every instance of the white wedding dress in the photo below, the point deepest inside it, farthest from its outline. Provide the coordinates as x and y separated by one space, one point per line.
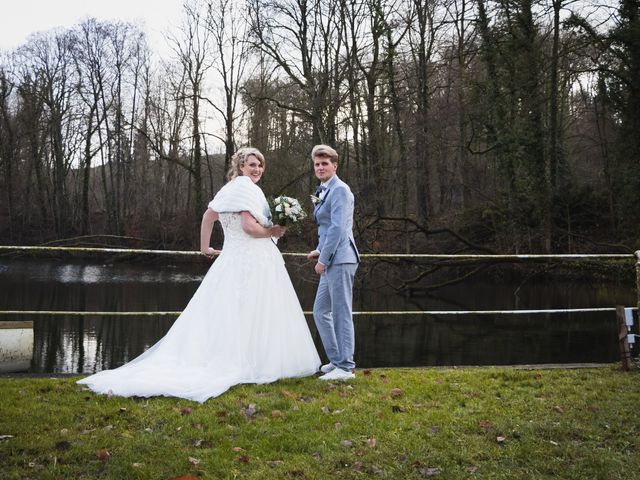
244 324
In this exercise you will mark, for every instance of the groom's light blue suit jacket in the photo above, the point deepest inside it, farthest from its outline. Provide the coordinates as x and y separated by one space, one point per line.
334 216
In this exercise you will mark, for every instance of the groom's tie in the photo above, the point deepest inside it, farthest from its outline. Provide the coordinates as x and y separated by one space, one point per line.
320 189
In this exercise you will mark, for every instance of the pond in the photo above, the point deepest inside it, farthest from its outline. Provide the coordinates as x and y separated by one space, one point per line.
85 344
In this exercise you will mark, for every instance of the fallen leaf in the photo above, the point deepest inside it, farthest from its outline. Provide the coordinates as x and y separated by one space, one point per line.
288 394
250 411
122 409
375 470
366 373
103 454
429 471
537 376
555 444
186 410
371 442
194 461
137 465
238 449
485 424
346 443
358 466
325 410
276 413
396 392
5 437
317 455
501 439
275 463
396 409
243 459
558 409
200 443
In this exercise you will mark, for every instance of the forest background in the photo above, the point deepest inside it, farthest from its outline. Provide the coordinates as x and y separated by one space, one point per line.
507 126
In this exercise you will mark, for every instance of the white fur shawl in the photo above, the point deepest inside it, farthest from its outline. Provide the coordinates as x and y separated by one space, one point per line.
239 195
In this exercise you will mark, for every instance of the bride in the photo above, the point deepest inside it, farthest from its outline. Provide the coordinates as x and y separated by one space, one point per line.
244 324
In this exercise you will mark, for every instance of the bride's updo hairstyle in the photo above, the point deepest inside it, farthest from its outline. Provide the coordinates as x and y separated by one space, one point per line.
239 158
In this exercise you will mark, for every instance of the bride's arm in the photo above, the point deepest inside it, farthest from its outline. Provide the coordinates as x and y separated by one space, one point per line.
206 227
251 226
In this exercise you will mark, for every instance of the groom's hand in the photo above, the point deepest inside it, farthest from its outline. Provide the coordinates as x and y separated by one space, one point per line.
320 267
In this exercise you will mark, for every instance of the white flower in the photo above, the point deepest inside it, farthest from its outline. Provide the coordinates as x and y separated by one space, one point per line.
287 210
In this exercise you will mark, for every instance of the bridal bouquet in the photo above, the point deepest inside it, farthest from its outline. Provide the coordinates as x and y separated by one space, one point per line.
286 211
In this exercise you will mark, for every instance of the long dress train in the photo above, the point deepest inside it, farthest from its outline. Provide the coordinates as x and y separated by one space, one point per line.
244 324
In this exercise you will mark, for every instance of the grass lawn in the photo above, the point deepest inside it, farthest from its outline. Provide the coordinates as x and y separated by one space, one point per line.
456 423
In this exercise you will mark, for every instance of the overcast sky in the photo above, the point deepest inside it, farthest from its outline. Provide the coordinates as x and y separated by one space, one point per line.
20 18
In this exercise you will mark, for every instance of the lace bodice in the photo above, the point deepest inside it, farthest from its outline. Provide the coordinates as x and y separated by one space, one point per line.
239 243
232 225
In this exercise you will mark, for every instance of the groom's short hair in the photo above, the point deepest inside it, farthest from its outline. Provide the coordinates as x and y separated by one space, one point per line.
324 151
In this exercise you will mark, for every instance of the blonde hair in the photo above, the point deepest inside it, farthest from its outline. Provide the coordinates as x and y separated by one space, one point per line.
240 158
324 151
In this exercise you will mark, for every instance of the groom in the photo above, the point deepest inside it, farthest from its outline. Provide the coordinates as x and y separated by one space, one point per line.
336 262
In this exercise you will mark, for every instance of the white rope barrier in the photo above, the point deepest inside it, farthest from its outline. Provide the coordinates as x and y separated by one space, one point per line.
576 256
95 250
370 313
619 256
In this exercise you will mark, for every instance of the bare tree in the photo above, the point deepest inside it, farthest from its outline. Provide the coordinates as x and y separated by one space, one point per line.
7 146
225 22
303 38
422 38
192 47
46 65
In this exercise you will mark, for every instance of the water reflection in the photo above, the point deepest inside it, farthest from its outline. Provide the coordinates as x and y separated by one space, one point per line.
86 344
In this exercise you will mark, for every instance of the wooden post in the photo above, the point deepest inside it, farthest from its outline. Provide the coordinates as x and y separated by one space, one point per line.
638 281
623 341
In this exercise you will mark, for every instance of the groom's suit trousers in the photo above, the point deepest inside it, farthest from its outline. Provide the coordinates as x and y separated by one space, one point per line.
332 314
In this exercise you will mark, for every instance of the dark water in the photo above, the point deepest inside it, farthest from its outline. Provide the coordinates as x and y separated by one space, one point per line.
87 344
